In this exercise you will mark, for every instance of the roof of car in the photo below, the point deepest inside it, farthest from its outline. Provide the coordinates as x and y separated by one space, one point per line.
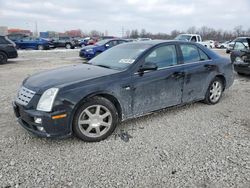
155 42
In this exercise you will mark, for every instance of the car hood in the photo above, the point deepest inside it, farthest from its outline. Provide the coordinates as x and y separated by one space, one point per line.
89 47
65 76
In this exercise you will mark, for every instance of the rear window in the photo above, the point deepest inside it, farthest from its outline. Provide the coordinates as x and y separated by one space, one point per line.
193 54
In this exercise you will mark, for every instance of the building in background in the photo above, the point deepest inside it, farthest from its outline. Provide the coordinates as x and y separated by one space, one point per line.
20 31
3 30
74 33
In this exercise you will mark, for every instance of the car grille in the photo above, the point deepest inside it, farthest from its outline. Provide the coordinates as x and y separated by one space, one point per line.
24 96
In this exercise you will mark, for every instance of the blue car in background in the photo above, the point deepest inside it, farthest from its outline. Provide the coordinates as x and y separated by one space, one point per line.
34 43
91 51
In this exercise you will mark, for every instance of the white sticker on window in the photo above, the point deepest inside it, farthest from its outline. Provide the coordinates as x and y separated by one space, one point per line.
127 61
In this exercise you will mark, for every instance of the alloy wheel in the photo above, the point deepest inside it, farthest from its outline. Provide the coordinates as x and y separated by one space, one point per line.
95 121
215 91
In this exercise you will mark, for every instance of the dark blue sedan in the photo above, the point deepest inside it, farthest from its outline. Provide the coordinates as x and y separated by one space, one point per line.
126 81
34 43
91 51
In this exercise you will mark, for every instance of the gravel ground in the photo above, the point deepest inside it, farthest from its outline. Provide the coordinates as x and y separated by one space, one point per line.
196 145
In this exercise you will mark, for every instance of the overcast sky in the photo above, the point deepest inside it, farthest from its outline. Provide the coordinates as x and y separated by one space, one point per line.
153 15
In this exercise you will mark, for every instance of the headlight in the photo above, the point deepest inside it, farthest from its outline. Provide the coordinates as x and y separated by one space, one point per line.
238 59
89 50
47 99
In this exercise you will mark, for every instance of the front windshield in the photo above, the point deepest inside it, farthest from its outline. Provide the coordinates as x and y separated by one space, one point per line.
101 42
183 37
120 57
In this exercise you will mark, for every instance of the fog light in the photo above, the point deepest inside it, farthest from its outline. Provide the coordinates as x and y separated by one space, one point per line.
40 129
38 120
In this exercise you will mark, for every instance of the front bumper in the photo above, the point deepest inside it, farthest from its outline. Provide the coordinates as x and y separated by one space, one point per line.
12 54
51 127
242 67
86 55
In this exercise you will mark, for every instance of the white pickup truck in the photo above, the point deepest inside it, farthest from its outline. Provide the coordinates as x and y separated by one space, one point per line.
193 38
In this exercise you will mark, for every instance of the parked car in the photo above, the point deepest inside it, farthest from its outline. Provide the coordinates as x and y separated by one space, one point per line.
143 39
193 38
16 36
91 51
7 49
127 81
240 56
34 43
239 39
66 42
211 43
87 41
222 44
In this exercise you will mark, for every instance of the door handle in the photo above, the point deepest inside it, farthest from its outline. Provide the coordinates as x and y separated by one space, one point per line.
209 67
126 87
177 75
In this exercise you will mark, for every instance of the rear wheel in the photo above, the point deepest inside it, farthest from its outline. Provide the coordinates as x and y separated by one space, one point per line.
214 92
40 47
68 46
3 58
95 120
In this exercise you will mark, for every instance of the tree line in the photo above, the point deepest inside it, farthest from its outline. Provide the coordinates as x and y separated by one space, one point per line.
207 33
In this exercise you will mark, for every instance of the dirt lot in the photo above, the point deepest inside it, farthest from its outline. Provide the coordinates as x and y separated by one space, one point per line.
192 146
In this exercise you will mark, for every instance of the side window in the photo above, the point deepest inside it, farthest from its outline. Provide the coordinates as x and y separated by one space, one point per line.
190 53
239 46
199 39
115 42
26 39
193 39
111 44
3 41
163 56
203 56
121 41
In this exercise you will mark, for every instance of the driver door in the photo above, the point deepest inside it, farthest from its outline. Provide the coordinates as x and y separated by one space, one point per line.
154 90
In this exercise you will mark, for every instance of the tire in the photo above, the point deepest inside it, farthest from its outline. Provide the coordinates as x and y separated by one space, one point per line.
214 91
95 119
68 46
240 73
3 58
40 47
228 51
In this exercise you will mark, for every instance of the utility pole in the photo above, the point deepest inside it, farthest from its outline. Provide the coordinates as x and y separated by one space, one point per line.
122 31
36 30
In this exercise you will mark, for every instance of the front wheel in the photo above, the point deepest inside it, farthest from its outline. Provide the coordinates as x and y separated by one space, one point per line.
40 47
214 92
95 120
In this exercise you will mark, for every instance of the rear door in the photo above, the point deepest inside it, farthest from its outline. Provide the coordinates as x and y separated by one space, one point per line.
197 67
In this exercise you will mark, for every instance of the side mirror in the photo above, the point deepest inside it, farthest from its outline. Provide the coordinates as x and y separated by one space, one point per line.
148 66
107 45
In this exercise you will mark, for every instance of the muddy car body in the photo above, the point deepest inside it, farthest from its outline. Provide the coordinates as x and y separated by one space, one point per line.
126 81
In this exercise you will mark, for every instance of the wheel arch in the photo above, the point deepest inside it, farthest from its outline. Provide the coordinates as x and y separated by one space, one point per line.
105 95
5 53
223 79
